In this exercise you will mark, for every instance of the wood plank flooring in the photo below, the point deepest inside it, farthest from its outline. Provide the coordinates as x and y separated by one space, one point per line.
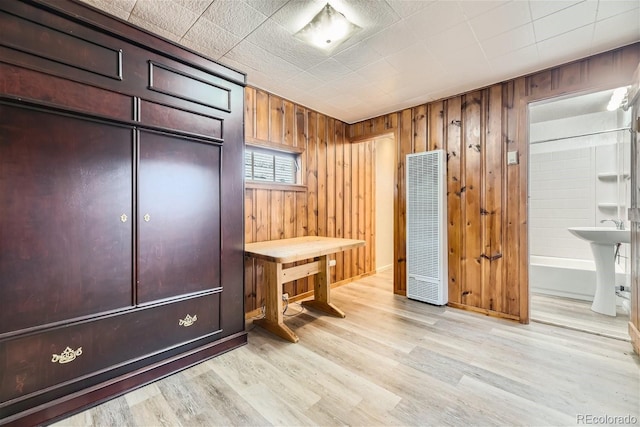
576 314
392 361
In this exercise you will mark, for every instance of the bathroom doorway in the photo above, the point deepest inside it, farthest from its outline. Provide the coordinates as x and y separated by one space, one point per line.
385 159
579 164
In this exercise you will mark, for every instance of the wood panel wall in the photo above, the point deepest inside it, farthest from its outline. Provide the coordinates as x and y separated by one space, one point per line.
335 200
486 198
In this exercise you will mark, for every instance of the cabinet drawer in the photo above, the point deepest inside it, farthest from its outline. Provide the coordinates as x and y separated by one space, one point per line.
49 359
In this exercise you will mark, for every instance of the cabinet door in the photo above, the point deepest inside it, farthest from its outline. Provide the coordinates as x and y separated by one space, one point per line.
66 194
178 217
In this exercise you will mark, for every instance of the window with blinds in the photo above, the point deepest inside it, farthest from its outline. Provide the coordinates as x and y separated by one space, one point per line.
264 165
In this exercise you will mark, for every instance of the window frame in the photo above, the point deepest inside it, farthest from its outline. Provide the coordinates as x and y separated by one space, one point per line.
299 158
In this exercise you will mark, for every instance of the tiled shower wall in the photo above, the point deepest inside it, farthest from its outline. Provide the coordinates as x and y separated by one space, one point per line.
565 187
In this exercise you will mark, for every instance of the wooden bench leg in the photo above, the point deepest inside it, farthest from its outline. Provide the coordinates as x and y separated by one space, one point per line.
322 291
273 318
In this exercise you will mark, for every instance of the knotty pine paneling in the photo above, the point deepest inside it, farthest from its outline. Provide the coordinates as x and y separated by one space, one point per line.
337 200
486 198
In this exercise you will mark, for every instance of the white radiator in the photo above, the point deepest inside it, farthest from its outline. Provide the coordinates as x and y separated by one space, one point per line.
426 238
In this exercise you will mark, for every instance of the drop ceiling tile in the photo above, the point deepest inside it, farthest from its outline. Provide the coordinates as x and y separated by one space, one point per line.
120 8
329 70
380 70
296 14
415 57
607 9
565 20
358 55
478 7
511 40
469 58
391 39
352 83
305 81
501 19
406 8
540 8
367 13
267 7
234 16
257 58
451 40
165 14
619 30
515 63
195 6
206 35
346 101
135 20
566 47
435 18
277 41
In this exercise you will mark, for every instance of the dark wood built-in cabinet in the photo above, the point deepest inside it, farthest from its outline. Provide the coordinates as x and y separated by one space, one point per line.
121 197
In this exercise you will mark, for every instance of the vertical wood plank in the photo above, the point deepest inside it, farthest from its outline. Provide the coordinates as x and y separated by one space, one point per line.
312 180
420 129
404 147
471 203
289 201
276 219
436 126
512 210
276 119
521 288
454 196
262 213
355 188
339 192
262 115
369 207
289 123
312 174
301 230
322 174
300 140
492 201
250 112
347 209
331 187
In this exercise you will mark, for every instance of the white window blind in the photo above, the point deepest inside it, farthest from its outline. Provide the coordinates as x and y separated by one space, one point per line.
266 165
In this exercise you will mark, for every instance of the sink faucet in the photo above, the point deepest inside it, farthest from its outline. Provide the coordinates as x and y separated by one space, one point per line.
618 222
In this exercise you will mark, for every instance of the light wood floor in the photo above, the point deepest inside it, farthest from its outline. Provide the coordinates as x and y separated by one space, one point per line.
576 314
392 361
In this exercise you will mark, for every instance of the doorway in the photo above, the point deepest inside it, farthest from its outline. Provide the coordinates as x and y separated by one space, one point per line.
385 161
579 167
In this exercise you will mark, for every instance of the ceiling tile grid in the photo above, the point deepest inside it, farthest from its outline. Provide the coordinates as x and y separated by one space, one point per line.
407 52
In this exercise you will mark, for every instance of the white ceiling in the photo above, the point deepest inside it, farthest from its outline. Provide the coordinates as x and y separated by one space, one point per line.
408 52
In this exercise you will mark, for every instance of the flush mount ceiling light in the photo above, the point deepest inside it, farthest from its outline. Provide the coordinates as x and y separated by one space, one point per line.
617 98
327 29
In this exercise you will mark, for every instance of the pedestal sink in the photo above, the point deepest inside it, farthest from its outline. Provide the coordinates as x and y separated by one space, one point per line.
603 241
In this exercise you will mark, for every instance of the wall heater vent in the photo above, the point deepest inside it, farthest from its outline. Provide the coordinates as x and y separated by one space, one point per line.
427 275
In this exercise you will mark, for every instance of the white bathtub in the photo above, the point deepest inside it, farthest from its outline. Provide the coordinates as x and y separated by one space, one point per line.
566 277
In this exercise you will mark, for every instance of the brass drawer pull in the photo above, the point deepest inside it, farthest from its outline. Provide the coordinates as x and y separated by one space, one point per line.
68 355
188 321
